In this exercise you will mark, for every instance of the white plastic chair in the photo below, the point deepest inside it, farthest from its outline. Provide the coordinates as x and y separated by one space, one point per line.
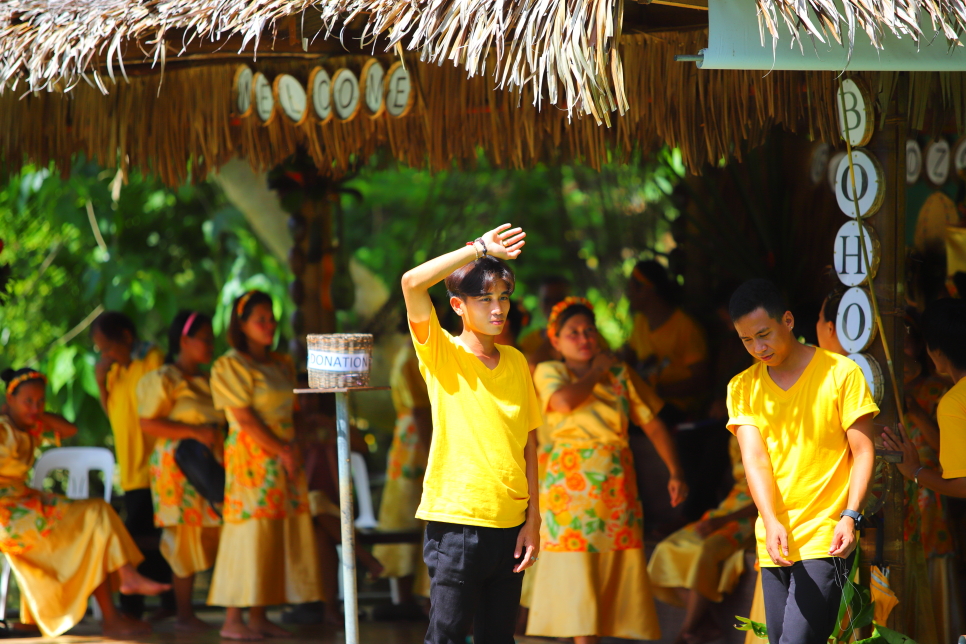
362 491
79 462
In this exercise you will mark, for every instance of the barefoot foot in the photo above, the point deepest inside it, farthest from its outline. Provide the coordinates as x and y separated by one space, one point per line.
137 584
124 627
267 628
239 632
191 625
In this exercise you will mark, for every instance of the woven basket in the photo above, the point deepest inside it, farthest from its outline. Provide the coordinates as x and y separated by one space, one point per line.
339 360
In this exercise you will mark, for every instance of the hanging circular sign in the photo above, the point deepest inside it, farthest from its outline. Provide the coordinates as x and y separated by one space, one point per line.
372 88
855 324
849 261
959 157
937 162
833 165
320 93
345 94
242 90
869 184
264 100
399 91
913 161
873 374
855 112
820 154
291 98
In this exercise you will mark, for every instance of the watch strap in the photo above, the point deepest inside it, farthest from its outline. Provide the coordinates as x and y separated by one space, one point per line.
855 516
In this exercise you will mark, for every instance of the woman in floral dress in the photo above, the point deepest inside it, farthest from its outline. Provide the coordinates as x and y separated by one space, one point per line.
175 403
267 553
592 579
60 550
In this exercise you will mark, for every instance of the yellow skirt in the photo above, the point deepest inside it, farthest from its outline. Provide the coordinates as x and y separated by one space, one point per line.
189 549
582 593
57 576
709 566
757 613
267 562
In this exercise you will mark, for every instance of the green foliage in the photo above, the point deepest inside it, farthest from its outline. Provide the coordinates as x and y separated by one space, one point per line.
883 635
745 624
155 251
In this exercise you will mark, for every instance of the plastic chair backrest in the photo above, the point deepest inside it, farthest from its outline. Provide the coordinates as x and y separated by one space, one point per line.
78 461
363 493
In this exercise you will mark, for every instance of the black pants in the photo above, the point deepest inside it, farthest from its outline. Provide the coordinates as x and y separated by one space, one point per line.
140 523
471 583
802 601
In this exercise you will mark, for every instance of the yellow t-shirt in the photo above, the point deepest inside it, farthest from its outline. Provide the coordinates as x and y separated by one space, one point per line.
951 415
678 344
476 474
804 431
131 447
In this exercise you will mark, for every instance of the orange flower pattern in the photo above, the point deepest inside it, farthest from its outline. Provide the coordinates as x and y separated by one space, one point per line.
26 515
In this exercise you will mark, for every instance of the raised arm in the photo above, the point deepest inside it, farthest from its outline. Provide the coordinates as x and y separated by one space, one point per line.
59 425
174 430
761 484
863 464
501 242
571 396
250 423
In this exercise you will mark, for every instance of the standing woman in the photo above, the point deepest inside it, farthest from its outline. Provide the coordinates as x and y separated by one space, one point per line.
175 403
61 550
592 579
267 555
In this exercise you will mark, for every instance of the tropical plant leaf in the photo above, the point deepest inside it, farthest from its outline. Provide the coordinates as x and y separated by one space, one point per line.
746 624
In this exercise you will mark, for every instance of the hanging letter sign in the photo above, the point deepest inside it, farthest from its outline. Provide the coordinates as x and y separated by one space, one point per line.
264 100
399 91
959 157
291 97
855 112
320 86
937 162
345 94
869 184
372 88
913 161
850 265
242 88
873 374
855 324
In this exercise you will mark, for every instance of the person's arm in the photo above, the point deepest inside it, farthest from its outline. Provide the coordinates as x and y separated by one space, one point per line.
173 430
912 469
761 483
101 370
571 396
59 425
250 423
661 438
928 426
500 242
528 541
863 465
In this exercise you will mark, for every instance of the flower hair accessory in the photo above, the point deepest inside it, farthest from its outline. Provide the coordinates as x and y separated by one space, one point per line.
562 306
24 377
243 302
187 325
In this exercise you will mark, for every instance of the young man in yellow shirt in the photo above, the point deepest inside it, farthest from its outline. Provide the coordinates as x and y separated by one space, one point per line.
480 490
803 418
944 329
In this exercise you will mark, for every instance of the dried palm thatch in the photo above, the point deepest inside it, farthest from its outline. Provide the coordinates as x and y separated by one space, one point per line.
838 19
566 50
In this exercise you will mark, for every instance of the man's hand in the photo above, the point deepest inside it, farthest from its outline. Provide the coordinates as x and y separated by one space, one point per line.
776 543
899 441
843 541
528 544
503 243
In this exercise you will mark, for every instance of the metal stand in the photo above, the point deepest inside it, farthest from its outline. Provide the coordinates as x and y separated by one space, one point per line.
349 590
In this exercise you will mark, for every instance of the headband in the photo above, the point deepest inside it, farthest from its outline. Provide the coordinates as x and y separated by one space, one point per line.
187 325
243 302
562 306
24 377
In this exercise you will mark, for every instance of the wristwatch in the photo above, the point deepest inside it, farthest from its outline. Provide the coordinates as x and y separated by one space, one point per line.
855 516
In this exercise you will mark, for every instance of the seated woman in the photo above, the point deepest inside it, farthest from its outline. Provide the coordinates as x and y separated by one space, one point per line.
701 562
592 578
61 550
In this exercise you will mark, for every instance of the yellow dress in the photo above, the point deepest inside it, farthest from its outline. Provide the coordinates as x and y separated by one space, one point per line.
60 549
678 344
712 565
592 578
405 469
267 554
132 447
189 540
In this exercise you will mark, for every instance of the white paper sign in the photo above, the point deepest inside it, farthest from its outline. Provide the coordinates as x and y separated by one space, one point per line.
338 362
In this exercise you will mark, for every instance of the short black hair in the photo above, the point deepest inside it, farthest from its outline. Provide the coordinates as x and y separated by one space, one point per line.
180 327
944 329
651 269
478 277
112 325
8 375
830 310
757 294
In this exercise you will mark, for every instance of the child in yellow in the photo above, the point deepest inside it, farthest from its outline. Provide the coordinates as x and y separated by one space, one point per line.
267 554
60 550
592 579
175 403
480 492
703 561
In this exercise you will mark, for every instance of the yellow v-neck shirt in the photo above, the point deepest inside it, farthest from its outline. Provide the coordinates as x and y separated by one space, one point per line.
804 431
476 473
